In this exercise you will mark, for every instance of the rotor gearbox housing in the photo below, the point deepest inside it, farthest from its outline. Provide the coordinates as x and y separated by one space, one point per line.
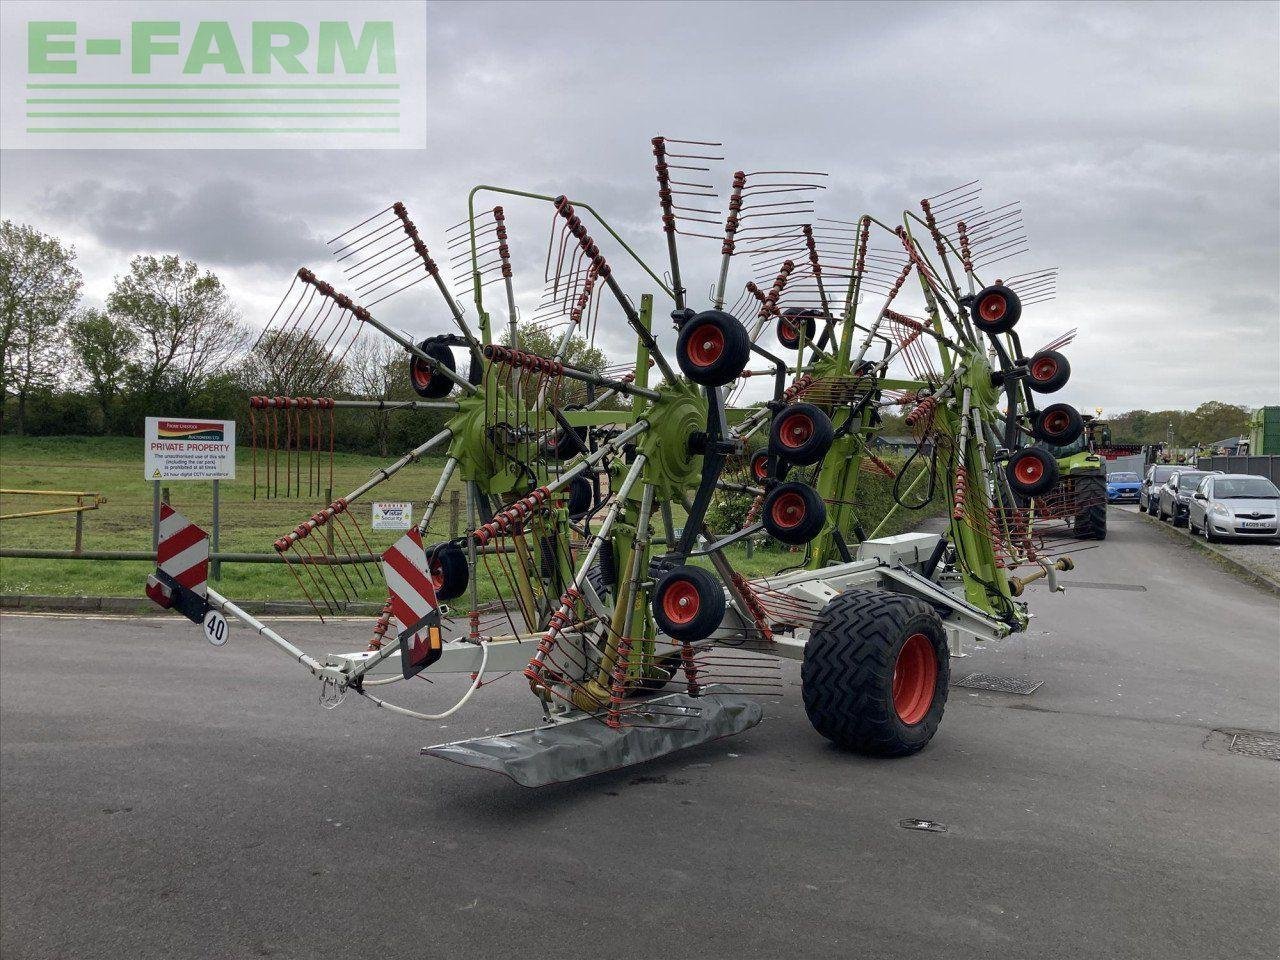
679 412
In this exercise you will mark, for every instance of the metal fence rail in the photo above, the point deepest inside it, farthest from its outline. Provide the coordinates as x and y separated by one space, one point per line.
1260 466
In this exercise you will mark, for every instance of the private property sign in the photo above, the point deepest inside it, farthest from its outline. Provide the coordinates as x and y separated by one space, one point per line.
190 449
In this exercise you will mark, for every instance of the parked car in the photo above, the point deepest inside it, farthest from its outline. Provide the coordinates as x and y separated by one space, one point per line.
1235 505
1175 496
1123 487
1157 474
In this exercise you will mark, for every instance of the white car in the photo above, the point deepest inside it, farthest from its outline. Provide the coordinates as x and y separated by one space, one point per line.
1235 505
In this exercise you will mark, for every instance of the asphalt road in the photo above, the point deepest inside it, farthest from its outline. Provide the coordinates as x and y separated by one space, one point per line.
163 798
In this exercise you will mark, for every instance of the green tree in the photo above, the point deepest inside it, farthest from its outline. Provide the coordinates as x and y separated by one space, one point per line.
186 325
105 348
39 290
1215 420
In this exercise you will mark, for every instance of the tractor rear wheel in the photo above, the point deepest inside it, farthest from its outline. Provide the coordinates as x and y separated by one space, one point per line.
1091 508
876 672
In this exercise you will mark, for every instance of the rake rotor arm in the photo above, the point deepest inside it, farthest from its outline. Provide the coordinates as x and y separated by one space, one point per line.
668 216
565 608
433 270
364 316
521 509
532 361
603 270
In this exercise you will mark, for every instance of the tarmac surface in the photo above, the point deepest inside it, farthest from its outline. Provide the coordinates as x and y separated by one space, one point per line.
160 797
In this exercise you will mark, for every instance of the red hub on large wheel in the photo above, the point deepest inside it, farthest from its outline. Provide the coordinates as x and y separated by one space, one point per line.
795 430
706 345
680 601
992 307
1056 423
1029 470
1044 369
915 676
760 466
788 511
421 375
436 569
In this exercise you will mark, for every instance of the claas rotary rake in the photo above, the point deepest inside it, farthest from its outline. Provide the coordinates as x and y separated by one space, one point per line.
635 636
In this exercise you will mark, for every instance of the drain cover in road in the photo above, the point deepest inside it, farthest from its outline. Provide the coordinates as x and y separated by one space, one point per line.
1250 743
998 684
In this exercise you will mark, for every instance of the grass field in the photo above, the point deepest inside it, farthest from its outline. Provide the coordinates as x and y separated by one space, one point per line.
112 467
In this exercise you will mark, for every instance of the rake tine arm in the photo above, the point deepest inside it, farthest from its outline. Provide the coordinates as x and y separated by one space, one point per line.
592 252
364 316
434 271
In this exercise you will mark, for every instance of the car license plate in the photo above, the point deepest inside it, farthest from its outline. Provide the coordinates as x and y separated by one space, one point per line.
1255 523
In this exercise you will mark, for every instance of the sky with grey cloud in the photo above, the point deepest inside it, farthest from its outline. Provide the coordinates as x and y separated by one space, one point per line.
1142 140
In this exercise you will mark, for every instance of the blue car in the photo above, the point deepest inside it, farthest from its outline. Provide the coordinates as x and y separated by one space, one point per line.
1123 487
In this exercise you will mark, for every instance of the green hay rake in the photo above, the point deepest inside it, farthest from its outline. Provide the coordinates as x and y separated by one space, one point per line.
635 636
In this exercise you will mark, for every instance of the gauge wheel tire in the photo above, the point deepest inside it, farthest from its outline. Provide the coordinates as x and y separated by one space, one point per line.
1031 472
713 348
447 565
580 497
801 434
688 604
426 382
759 467
1048 371
1091 519
1058 424
661 672
603 574
565 445
996 309
793 513
876 673
789 325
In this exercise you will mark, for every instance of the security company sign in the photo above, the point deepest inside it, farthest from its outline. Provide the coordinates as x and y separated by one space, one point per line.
190 449
392 516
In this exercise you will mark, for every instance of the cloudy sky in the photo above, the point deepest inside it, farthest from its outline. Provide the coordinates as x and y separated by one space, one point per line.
1142 140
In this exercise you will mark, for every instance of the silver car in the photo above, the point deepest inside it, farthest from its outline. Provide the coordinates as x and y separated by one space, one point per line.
1174 498
1235 505
1156 475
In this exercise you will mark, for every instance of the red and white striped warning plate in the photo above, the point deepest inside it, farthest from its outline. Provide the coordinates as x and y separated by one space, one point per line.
183 552
413 603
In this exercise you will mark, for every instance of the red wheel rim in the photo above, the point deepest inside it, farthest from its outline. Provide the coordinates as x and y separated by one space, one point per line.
437 574
788 510
421 374
680 601
706 344
915 675
992 307
1056 423
1029 470
788 333
795 430
760 466
1044 369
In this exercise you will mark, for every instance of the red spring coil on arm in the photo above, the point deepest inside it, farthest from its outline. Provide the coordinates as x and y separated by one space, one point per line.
735 205
664 184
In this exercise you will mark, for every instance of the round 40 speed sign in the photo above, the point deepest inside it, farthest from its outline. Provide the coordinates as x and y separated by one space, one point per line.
215 628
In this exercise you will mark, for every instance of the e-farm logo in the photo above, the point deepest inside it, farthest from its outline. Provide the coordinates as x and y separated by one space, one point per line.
213 74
